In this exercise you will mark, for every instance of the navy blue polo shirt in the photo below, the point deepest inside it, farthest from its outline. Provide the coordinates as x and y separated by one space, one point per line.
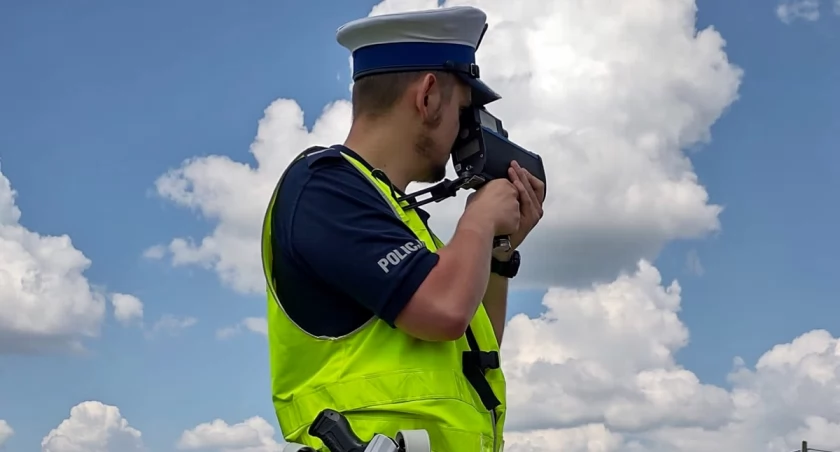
341 254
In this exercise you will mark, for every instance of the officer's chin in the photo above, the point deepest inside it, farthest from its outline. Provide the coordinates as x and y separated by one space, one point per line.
435 174
439 174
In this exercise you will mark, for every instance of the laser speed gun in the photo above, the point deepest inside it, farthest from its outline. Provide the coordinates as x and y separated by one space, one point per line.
482 152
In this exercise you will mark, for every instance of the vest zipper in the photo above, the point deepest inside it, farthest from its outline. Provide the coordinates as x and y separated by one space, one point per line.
493 423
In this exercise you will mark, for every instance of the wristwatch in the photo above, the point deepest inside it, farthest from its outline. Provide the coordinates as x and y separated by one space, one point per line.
507 269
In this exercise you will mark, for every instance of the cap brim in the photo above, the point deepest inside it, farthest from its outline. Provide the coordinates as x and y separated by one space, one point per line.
481 93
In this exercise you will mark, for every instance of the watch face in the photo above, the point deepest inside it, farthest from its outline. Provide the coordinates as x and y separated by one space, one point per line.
513 264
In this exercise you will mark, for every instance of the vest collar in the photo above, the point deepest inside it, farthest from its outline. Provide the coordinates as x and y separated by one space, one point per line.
340 147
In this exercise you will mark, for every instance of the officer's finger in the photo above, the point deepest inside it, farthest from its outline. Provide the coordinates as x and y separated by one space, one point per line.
513 177
536 188
523 176
510 184
525 201
538 185
521 170
512 174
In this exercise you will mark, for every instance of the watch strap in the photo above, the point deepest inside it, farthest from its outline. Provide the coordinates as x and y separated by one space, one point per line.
507 269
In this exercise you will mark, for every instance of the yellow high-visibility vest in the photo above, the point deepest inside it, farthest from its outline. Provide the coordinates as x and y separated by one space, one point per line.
381 378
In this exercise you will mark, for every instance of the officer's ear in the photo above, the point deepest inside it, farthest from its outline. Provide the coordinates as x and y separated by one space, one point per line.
428 96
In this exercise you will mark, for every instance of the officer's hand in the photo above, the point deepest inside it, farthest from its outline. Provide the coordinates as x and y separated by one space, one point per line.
498 202
531 193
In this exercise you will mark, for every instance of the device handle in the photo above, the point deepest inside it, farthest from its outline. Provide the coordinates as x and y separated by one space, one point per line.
501 243
332 428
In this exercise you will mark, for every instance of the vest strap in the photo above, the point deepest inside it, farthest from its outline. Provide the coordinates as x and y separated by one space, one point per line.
474 364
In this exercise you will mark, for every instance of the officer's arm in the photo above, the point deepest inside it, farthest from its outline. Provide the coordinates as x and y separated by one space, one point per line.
451 293
345 232
495 303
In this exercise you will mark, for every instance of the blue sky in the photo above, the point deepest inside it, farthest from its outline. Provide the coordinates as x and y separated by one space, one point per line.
101 98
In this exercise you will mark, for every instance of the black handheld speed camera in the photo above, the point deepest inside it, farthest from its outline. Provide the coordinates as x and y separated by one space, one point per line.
482 152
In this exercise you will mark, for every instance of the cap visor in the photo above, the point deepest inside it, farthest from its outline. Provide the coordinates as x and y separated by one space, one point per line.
481 93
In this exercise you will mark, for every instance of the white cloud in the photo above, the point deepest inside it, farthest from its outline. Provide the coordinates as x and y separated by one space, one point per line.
586 438
128 309
6 432
155 252
212 185
609 93
597 372
252 435
790 10
46 303
170 325
253 324
93 427
606 355
808 10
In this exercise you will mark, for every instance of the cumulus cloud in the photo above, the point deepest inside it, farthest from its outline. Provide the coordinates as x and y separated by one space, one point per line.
253 324
791 10
93 427
608 93
6 432
128 309
606 356
597 371
46 303
252 435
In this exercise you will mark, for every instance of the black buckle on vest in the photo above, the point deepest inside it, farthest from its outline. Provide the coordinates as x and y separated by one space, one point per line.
482 360
475 363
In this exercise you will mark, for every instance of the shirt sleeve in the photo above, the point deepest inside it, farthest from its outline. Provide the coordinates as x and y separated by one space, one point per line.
346 233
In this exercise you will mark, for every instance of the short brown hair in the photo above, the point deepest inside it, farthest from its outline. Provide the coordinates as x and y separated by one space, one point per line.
375 95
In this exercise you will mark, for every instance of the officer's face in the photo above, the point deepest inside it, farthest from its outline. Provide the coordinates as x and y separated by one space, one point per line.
440 128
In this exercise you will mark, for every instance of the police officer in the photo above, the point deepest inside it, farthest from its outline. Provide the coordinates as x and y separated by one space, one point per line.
369 313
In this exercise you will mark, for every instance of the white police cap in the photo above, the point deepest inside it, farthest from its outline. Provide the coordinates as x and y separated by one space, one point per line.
443 39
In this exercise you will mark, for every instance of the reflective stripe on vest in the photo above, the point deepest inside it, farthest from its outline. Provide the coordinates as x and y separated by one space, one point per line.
382 379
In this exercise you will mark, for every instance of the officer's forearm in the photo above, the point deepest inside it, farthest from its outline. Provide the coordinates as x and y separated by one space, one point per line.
495 303
470 251
446 301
